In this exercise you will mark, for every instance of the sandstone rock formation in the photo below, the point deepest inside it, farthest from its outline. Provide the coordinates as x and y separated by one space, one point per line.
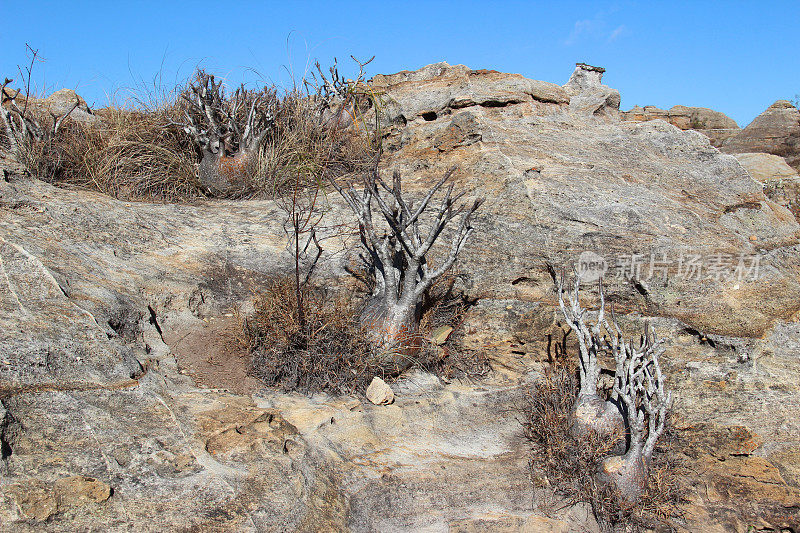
775 131
588 94
101 299
781 182
58 103
715 125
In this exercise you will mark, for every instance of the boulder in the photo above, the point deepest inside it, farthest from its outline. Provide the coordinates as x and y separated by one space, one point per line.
766 167
439 89
560 180
58 103
775 131
781 182
713 124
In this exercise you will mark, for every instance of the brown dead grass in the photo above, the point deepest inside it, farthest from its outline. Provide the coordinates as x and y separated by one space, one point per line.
142 153
127 154
302 150
564 465
330 353
444 305
333 353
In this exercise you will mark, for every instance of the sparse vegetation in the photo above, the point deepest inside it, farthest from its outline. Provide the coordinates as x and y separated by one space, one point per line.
328 351
638 403
564 464
598 445
397 258
165 147
325 348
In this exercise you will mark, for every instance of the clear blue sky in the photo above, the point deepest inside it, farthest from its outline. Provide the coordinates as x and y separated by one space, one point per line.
735 57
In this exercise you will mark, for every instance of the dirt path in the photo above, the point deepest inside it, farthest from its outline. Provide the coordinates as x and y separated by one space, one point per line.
214 355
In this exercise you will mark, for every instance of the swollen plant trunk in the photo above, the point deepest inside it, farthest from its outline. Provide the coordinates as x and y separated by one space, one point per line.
627 472
222 174
394 331
592 414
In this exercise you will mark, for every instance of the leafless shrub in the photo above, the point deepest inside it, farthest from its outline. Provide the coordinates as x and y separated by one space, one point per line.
397 247
30 134
329 351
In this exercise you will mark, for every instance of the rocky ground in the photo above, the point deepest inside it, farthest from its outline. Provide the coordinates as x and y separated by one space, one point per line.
125 401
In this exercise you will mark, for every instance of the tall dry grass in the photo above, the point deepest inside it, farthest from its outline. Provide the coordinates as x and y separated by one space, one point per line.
139 151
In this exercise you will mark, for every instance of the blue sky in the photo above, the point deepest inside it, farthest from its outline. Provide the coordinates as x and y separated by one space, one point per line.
735 57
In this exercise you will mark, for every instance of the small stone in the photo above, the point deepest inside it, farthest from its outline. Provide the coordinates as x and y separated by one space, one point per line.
379 392
440 335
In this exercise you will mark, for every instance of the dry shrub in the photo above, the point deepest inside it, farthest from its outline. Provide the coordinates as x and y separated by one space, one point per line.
127 154
330 353
446 306
305 150
565 464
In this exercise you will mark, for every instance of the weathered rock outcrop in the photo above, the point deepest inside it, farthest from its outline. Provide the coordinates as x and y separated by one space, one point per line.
715 125
111 310
559 181
58 103
775 131
588 95
781 182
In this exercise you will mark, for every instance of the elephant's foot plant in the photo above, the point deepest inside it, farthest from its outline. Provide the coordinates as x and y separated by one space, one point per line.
639 387
591 413
397 256
599 446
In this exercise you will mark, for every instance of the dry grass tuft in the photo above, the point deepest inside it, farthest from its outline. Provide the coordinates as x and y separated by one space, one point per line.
330 354
305 150
127 154
142 153
444 306
564 465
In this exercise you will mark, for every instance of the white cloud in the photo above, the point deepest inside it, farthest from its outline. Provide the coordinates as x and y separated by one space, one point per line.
594 29
616 33
581 27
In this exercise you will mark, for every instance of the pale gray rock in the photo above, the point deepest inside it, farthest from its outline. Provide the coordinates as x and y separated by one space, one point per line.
775 131
713 124
588 95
